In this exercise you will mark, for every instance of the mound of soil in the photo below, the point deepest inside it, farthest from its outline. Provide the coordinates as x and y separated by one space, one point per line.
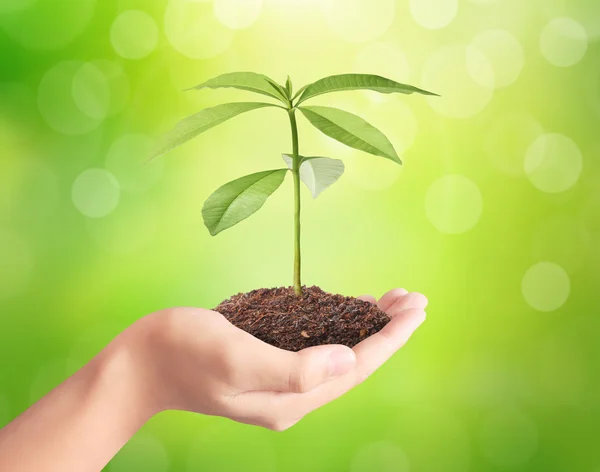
278 317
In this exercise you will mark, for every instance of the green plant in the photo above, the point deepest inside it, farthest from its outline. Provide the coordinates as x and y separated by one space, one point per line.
240 198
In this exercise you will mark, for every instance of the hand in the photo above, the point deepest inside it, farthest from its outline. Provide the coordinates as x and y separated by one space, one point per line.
195 360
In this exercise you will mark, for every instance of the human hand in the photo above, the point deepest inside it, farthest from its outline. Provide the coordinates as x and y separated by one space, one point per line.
195 360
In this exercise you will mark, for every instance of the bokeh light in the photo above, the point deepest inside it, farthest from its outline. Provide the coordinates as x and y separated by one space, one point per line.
546 286
453 204
553 163
134 34
433 14
507 140
505 55
95 193
57 101
91 91
563 42
237 14
358 21
193 30
449 71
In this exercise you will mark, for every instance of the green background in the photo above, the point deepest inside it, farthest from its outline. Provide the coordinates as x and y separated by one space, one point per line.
504 373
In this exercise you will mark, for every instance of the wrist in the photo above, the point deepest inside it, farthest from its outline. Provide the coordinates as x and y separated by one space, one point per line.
123 370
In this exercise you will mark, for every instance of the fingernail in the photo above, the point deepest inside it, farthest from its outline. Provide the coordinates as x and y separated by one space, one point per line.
341 360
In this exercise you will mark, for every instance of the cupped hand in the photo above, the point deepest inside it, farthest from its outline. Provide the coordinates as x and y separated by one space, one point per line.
195 360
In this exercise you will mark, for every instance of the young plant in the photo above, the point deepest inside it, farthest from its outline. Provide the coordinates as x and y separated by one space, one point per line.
240 198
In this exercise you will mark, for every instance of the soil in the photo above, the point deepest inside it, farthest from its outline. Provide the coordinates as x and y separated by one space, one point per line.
278 317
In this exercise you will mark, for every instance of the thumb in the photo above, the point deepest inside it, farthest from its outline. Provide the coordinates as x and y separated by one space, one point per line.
316 365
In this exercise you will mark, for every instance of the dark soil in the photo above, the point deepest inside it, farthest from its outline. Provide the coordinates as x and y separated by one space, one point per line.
278 317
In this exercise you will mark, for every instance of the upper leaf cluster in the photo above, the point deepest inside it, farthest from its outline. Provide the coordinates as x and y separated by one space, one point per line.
238 199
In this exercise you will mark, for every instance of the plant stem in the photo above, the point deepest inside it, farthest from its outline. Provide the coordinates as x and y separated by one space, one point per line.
296 173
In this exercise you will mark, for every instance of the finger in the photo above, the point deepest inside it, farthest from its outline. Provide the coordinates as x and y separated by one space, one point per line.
268 368
370 354
378 348
368 298
388 299
411 300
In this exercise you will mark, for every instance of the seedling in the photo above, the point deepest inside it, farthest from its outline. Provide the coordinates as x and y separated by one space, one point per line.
240 198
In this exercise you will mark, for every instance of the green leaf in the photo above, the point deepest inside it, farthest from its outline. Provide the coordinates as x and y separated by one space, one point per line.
350 130
196 124
299 92
316 172
279 89
288 86
237 200
250 81
342 82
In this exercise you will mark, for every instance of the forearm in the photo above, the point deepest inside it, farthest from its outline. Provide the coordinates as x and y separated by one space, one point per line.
81 424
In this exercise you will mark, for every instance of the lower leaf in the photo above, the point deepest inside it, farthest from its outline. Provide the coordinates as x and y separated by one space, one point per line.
237 200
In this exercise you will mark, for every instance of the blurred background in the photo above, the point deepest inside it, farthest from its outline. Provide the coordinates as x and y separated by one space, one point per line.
495 215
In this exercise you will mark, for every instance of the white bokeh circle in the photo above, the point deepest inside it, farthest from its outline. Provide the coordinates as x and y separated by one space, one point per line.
142 452
128 160
563 42
507 141
17 264
35 25
134 34
504 53
118 84
359 21
57 104
383 59
546 286
553 163
585 12
382 456
508 438
453 204
194 31
433 14
91 92
95 193
449 72
237 14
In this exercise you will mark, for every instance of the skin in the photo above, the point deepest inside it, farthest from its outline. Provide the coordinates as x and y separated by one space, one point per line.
192 359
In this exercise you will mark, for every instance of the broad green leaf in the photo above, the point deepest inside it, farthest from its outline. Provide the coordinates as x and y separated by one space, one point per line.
196 124
237 200
250 81
316 172
342 82
350 130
